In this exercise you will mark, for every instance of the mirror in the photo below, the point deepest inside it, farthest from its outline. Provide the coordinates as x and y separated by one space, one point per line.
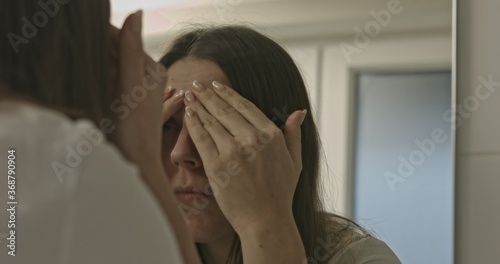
378 74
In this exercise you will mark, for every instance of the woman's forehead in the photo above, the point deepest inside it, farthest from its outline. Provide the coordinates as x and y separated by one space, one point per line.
183 72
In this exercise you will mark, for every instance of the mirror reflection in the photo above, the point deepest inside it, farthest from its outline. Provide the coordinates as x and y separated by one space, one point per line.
228 131
378 79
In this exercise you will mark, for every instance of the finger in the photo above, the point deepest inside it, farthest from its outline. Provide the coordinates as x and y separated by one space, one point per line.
217 131
114 68
151 65
115 34
131 51
246 108
167 93
293 136
201 138
230 118
172 105
115 38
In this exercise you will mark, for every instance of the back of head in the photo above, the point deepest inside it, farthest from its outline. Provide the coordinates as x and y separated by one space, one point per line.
57 53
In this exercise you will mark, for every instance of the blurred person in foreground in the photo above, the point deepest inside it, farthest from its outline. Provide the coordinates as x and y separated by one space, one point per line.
81 117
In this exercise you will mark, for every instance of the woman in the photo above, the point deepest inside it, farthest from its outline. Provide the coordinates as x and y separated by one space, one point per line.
77 194
244 173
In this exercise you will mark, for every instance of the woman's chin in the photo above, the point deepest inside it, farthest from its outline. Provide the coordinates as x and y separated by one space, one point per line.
206 230
207 223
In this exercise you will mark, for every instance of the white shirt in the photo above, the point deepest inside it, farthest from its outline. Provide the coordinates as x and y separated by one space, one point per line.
78 199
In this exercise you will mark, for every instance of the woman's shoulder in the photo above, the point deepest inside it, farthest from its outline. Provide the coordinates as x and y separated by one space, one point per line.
365 248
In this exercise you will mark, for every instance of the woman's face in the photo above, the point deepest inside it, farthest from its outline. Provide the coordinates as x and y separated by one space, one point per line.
182 161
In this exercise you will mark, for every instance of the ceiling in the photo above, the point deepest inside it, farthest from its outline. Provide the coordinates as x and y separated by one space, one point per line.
128 6
307 18
154 17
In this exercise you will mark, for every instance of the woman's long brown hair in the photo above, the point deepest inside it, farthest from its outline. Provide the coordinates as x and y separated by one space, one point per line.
58 54
263 72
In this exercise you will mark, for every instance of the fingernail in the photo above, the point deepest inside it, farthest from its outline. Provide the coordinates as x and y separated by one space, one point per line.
166 92
137 22
190 97
178 95
198 86
189 112
168 89
304 112
218 86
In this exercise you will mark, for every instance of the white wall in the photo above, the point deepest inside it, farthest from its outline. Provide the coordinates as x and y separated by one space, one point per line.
478 137
394 53
394 112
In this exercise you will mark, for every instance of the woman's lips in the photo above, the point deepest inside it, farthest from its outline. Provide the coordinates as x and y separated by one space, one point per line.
191 192
191 196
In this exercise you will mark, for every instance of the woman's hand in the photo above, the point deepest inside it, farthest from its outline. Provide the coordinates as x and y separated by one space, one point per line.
172 104
142 83
253 169
252 166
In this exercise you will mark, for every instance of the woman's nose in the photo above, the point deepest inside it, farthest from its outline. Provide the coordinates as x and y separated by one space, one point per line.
184 152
